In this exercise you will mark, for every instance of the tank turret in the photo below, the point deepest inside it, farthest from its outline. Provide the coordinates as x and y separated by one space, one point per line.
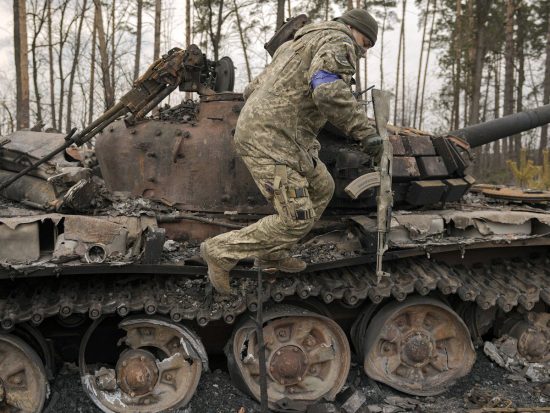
427 169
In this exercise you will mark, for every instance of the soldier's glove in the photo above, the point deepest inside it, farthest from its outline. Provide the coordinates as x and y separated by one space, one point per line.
372 145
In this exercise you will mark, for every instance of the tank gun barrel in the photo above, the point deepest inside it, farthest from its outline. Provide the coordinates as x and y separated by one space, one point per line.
509 125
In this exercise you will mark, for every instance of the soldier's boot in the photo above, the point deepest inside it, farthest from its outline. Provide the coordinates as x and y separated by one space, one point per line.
288 264
219 278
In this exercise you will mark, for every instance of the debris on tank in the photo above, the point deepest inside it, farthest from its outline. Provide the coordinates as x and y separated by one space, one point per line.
503 351
335 245
176 252
185 112
170 246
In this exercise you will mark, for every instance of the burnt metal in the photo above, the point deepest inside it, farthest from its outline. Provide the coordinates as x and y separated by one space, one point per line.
25 147
419 346
426 192
178 67
225 75
152 246
137 372
23 383
308 357
163 379
347 284
531 330
185 183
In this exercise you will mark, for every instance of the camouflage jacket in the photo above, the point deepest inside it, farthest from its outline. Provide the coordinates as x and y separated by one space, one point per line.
283 114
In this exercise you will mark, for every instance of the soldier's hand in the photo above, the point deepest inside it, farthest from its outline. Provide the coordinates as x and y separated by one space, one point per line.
373 146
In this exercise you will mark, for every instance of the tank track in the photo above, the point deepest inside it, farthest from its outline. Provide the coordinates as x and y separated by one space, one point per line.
506 284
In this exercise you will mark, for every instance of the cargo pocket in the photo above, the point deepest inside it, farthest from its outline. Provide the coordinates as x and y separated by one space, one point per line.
290 196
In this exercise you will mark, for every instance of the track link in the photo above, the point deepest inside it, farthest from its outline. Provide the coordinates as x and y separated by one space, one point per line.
506 284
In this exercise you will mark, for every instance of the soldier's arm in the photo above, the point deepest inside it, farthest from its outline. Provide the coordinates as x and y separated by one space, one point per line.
252 85
330 74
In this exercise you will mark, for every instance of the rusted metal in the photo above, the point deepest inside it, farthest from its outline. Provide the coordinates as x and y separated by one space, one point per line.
308 358
23 383
532 332
351 283
419 346
133 163
159 370
512 194
137 372
25 147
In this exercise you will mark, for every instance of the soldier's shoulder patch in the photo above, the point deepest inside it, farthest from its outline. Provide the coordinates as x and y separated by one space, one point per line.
342 58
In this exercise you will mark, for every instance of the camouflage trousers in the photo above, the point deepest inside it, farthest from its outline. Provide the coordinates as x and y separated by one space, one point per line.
299 201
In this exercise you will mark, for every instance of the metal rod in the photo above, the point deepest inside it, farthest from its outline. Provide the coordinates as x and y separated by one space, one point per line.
154 102
261 346
212 221
112 113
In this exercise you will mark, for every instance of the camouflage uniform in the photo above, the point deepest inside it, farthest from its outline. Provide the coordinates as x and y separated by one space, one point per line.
276 137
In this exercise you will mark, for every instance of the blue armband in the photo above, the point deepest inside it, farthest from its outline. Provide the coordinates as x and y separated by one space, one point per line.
322 76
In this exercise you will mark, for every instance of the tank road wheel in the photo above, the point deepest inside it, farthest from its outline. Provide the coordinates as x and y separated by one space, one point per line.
532 332
158 370
419 346
23 383
307 357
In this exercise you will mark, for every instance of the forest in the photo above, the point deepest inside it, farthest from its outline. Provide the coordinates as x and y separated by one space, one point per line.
469 61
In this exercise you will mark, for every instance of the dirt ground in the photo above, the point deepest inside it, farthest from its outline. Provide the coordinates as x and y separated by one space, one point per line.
487 384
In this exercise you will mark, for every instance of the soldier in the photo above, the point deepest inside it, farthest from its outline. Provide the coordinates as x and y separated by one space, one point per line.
306 85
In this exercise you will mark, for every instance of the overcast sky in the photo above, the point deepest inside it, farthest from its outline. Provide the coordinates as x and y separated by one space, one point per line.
174 34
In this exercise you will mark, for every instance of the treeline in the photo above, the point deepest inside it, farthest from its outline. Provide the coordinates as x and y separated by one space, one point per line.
492 57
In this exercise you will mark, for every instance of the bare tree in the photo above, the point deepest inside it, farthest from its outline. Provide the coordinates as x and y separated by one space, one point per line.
10 118
138 37
21 63
496 145
521 44
386 17
456 66
64 32
76 57
38 21
426 65
50 63
243 41
212 14
420 61
92 72
509 58
399 54
113 49
158 13
477 51
108 91
187 23
546 87
403 120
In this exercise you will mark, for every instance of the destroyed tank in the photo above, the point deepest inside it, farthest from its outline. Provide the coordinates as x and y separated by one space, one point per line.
99 261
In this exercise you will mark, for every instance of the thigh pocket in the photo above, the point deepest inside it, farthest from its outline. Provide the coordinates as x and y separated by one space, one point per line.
291 197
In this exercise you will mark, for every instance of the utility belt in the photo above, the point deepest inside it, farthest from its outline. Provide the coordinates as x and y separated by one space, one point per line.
287 198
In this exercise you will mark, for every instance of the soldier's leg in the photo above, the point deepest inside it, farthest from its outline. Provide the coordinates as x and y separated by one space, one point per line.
321 188
272 235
